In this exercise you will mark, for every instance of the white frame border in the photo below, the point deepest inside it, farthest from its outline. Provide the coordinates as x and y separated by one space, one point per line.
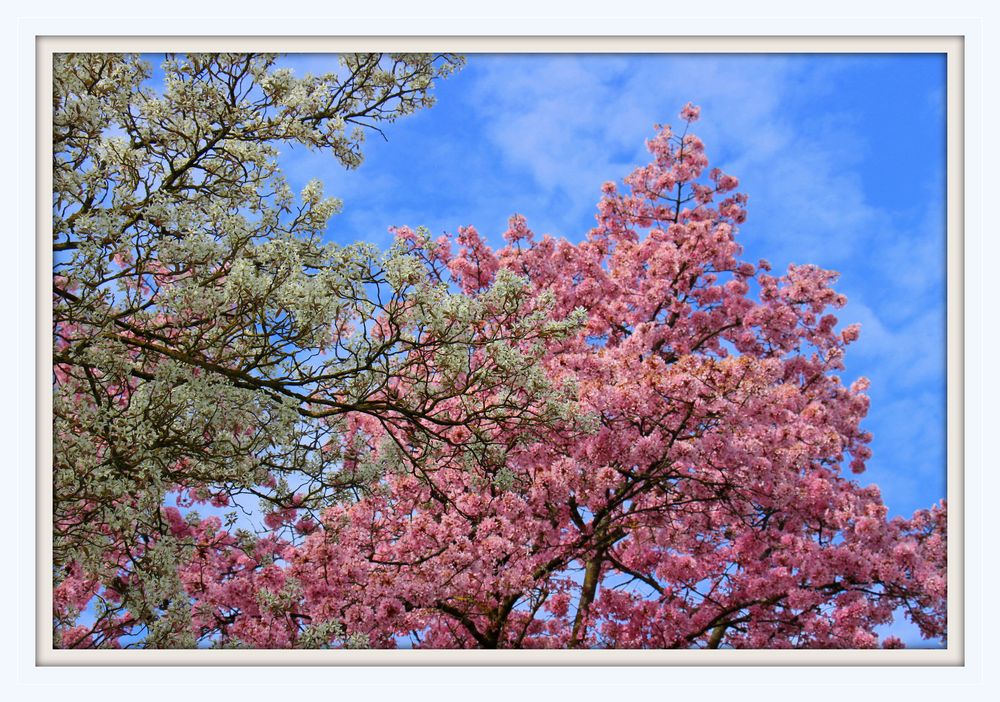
971 673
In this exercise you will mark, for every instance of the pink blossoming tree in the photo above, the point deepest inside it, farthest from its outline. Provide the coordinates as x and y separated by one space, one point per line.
634 441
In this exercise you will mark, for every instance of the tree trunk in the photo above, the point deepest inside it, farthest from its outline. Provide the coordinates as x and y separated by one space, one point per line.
591 577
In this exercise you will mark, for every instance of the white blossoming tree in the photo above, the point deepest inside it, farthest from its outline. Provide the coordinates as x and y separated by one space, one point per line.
209 344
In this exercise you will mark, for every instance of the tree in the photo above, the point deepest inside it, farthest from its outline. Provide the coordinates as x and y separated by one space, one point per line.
633 441
209 346
704 504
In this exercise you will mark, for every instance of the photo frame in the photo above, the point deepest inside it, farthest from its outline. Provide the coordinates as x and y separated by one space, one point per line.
958 480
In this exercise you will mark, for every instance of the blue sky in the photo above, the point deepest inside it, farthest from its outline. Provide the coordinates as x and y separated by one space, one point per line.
843 157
